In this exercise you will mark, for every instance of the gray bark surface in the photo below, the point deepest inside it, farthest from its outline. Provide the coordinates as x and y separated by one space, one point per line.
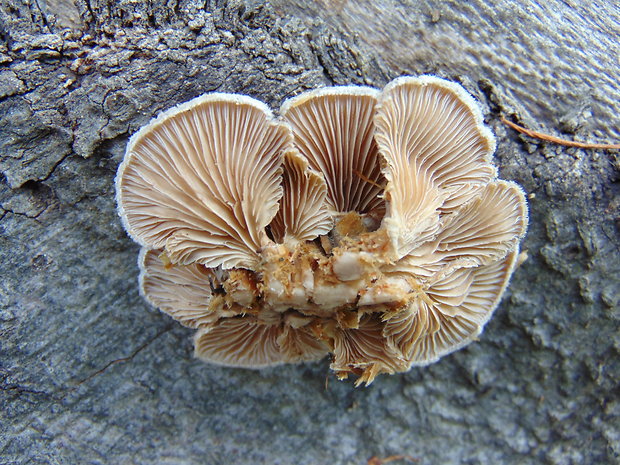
90 374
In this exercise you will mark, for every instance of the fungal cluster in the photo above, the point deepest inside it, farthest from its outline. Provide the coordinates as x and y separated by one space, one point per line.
365 224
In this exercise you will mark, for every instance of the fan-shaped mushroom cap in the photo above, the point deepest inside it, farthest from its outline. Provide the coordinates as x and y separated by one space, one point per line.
486 228
240 341
450 313
300 345
303 212
333 128
203 180
483 230
183 292
437 154
249 342
365 350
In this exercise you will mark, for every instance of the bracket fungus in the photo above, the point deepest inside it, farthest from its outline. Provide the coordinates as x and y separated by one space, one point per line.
365 224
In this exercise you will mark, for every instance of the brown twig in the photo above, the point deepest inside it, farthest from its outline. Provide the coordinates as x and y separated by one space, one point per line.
557 140
377 461
368 180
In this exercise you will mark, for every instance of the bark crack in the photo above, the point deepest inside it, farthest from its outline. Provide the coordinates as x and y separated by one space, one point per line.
124 359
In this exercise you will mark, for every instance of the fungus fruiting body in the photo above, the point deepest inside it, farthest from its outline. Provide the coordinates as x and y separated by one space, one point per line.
365 224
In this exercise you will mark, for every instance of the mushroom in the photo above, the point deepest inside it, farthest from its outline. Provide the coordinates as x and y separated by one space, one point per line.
437 154
365 351
449 312
183 292
245 341
203 180
333 128
366 224
303 214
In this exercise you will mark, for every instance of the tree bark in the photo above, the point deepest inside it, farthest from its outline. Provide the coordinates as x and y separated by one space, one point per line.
90 374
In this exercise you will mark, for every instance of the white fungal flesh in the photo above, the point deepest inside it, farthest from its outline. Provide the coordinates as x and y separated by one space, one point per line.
365 224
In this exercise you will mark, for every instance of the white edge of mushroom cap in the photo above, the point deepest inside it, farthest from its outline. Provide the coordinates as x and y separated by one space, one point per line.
323 91
142 275
158 121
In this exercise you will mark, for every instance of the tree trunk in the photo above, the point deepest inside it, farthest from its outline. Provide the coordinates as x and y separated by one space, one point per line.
90 374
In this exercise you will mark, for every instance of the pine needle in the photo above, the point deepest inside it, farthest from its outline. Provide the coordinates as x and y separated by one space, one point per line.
391 458
557 140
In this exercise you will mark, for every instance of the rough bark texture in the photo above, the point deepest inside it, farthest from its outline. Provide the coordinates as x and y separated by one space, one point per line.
90 374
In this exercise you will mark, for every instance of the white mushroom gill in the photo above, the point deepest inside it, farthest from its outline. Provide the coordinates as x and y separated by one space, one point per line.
365 224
